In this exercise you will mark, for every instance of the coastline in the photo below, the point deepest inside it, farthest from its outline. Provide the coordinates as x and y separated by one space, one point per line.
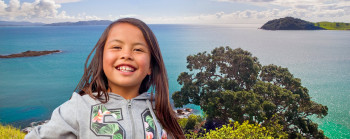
308 61
32 125
30 53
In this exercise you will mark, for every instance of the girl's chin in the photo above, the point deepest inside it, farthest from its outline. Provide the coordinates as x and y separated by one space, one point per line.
126 83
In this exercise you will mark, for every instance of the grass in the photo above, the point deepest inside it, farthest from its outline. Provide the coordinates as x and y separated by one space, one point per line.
333 25
10 132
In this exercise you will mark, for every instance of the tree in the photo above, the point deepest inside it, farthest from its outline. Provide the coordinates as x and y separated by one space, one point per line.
231 84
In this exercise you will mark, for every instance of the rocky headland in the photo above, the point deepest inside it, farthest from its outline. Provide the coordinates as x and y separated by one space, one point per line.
290 23
30 54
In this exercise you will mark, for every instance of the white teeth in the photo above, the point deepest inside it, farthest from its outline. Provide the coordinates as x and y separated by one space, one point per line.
126 69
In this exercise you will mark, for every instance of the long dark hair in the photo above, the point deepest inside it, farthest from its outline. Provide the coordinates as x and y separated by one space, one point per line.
95 80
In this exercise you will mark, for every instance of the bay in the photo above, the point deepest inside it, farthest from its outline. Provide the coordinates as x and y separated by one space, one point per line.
30 88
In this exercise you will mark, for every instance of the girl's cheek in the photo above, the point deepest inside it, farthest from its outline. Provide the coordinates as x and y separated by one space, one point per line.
146 62
108 62
108 57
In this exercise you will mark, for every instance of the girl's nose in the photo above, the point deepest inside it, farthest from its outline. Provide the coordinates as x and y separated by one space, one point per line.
127 55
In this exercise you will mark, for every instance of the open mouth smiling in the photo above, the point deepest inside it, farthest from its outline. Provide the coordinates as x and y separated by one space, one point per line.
125 68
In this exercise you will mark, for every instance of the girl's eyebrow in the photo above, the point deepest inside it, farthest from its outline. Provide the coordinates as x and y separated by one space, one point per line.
115 40
134 44
139 43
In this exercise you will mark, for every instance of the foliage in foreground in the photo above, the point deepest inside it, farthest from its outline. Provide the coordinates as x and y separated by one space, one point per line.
244 130
10 132
193 122
232 84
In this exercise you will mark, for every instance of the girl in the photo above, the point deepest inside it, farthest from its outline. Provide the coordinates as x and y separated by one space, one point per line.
112 101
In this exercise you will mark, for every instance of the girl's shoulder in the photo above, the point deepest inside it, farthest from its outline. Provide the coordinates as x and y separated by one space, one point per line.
83 98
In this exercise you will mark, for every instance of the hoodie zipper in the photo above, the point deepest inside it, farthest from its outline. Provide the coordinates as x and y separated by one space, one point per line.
131 118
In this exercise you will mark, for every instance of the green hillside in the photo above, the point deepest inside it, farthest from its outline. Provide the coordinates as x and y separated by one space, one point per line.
333 25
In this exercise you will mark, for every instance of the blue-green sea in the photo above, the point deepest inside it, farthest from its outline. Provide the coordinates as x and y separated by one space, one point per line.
31 87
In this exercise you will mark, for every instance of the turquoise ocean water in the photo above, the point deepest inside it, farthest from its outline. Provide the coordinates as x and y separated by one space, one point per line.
30 88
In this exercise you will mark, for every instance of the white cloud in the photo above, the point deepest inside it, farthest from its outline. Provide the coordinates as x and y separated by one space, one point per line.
38 9
46 11
128 15
84 17
66 1
254 16
246 0
13 6
314 10
3 6
216 18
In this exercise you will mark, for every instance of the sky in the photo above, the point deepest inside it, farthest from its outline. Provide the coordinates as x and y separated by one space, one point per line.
175 11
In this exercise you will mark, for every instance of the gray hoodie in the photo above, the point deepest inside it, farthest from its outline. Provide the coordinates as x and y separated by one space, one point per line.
85 118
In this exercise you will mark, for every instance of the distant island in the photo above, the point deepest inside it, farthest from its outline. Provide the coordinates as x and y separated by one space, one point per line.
9 23
291 23
30 54
79 23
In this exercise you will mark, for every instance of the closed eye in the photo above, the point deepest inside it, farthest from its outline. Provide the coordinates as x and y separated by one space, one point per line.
117 47
139 50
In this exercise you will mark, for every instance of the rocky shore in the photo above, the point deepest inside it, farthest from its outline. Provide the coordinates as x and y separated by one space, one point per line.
183 113
30 54
33 125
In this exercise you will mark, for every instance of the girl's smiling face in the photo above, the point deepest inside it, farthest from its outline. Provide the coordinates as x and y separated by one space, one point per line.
126 57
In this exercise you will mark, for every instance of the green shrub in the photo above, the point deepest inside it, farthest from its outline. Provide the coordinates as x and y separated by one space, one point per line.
191 123
182 122
242 131
10 132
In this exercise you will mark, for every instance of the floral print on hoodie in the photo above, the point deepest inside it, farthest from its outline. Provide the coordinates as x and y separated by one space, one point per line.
106 129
